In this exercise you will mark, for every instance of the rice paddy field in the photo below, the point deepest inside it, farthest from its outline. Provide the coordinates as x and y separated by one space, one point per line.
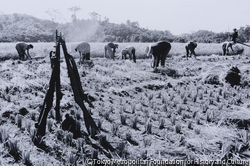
41 50
185 111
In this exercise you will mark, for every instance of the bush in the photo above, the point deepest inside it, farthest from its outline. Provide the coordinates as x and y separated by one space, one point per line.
233 77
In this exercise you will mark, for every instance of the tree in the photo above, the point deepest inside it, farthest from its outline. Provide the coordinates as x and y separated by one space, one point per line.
74 10
246 33
56 16
95 16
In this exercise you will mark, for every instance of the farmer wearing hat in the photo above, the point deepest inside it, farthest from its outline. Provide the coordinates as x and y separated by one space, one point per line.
234 35
227 45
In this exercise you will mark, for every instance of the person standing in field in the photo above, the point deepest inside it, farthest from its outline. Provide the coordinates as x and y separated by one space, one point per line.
110 49
190 47
234 36
227 45
22 48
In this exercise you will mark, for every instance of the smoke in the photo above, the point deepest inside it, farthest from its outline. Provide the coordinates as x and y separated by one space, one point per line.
84 30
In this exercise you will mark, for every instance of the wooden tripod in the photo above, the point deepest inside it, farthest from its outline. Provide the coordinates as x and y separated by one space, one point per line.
54 85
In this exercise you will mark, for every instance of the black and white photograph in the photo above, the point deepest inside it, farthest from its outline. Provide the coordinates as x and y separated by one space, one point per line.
124 82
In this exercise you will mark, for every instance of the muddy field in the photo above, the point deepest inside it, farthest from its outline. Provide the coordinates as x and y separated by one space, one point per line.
174 113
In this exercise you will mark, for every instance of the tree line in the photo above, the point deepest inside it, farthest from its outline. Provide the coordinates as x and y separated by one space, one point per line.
19 27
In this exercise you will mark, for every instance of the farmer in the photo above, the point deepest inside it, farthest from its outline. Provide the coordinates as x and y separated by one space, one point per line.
190 47
110 49
226 46
21 48
234 35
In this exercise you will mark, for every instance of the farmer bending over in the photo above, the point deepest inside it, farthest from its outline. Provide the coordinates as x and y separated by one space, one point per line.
110 49
226 46
190 47
21 48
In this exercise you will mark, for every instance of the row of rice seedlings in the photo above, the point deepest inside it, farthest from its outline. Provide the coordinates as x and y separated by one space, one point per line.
144 154
220 92
52 114
195 97
197 131
14 150
99 123
33 116
159 95
5 96
19 120
148 128
244 136
130 139
134 122
147 142
133 108
68 138
78 114
173 119
50 125
180 109
26 159
123 119
164 108
197 119
28 126
94 154
65 136
183 94
141 109
205 108
163 99
175 103
71 159
106 115
201 96
220 106
178 128
150 97
209 116
122 109
114 129
161 123
38 140
78 127
211 101
4 136
103 140
121 150
190 125
79 144
60 134
185 116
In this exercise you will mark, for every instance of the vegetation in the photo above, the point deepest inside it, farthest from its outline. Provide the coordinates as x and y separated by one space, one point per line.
18 27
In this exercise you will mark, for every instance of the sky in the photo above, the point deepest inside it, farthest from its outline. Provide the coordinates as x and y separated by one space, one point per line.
176 16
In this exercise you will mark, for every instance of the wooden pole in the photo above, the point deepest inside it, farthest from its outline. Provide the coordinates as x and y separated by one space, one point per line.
58 82
79 94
